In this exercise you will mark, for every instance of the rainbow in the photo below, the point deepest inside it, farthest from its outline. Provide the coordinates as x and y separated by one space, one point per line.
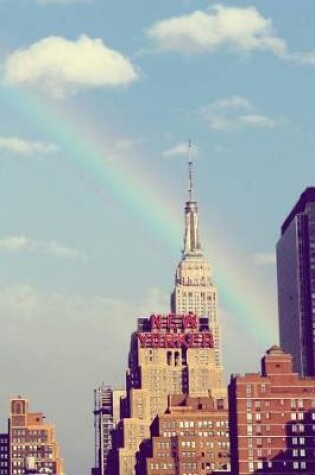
245 301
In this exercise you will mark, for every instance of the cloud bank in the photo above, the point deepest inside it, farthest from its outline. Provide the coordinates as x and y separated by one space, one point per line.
26 147
22 243
236 112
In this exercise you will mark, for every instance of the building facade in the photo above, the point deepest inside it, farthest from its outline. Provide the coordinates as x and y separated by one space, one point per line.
103 425
194 288
191 437
107 413
4 454
169 354
173 354
272 419
31 440
296 284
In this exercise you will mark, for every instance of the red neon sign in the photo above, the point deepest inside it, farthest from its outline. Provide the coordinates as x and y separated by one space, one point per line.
175 340
173 321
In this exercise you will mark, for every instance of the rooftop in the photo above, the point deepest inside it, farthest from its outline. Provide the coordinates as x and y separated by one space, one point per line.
308 196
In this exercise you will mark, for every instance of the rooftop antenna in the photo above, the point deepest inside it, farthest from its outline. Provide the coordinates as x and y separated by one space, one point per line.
190 171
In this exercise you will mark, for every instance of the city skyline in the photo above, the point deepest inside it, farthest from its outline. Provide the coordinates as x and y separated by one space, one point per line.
94 178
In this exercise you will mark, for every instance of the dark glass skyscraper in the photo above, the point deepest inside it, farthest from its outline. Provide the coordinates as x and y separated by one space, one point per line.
296 283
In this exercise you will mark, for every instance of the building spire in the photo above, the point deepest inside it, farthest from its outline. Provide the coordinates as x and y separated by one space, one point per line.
190 172
191 234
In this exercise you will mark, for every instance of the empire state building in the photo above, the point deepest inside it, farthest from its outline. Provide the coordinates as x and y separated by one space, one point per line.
194 289
174 354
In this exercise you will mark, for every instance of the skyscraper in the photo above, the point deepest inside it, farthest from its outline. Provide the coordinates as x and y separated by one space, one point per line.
296 283
178 353
194 289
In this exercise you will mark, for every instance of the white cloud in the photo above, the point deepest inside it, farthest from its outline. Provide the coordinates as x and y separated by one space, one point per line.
256 120
306 58
264 258
26 147
24 244
15 243
180 150
233 103
60 67
60 250
235 28
236 112
127 144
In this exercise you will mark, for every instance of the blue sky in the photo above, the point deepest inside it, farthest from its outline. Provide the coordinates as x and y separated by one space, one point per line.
98 100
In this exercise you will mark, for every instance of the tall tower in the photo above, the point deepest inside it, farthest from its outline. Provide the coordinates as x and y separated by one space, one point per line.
177 353
296 283
194 290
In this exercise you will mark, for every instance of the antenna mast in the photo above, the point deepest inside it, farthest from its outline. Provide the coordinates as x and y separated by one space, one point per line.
190 171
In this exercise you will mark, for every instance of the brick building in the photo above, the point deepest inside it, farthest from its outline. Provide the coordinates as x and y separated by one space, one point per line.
192 437
31 438
272 419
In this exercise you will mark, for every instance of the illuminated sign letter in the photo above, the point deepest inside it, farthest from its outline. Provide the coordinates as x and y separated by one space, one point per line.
169 340
190 321
155 340
156 321
142 338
